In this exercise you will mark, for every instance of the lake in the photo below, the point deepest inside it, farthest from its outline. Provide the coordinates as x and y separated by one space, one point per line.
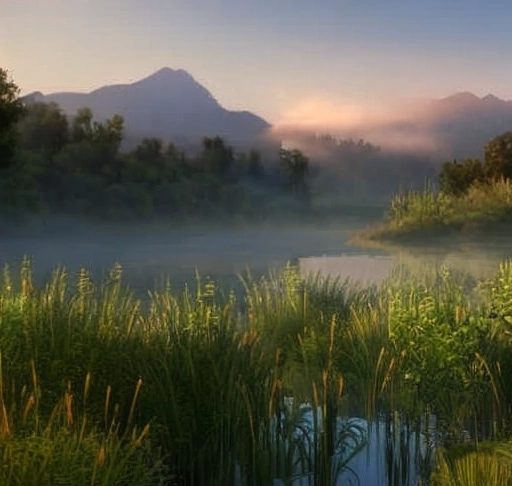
149 256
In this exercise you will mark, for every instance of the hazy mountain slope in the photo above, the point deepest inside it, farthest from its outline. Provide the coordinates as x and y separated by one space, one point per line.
465 123
172 105
168 104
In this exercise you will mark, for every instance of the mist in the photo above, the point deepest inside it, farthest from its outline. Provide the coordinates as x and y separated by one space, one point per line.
395 126
153 254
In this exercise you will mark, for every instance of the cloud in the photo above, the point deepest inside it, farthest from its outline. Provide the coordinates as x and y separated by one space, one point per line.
317 112
398 125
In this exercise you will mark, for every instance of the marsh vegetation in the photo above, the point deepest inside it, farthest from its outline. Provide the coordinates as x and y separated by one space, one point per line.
468 197
210 387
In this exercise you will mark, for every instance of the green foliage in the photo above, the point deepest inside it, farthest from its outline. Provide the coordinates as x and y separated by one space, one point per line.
456 178
216 157
442 341
472 195
64 448
498 157
262 384
294 167
44 128
80 169
11 110
435 213
484 467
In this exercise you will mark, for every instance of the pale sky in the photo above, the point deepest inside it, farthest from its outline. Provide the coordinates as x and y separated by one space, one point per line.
278 58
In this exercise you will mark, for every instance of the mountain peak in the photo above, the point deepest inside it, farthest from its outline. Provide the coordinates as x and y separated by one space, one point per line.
168 74
34 97
490 98
463 97
169 104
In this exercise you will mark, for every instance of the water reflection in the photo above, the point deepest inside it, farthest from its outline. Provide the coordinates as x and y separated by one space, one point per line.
478 259
149 257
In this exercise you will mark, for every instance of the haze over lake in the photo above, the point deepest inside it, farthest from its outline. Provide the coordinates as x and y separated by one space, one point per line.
149 256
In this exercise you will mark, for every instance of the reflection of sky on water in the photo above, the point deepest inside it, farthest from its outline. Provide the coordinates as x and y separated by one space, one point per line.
149 256
364 269
392 452
477 259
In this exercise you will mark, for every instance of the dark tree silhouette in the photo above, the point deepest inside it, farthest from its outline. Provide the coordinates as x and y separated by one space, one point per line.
11 111
498 157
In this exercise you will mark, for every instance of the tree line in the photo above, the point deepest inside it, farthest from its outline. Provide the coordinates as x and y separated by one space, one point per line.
458 176
51 163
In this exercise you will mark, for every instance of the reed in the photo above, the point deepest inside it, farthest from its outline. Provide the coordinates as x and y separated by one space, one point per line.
247 388
419 214
486 467
66 448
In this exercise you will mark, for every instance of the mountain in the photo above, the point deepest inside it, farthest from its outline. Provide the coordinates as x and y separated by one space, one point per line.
172 105
457 126
464 123
169 104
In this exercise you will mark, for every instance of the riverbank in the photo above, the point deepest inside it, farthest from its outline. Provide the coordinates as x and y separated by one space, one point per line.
430 215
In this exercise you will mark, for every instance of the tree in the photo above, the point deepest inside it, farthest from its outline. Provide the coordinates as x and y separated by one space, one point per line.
498 157
150 159
109 133
100 140
294 166
11 111
81 128
216 157
255 168
456 178
44 128
149 150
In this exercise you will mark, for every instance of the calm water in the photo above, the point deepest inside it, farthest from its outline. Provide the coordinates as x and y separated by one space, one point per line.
149 256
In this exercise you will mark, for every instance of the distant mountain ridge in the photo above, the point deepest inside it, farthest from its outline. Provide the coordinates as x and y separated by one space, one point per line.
457 126
169 104
464 123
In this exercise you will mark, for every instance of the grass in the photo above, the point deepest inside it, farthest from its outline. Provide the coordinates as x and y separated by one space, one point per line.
416 215
65 448
212 388
489 465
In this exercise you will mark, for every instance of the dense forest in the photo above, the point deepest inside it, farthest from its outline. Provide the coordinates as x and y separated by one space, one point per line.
53 163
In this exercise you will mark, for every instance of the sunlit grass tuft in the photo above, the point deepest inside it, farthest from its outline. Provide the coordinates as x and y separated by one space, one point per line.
427 213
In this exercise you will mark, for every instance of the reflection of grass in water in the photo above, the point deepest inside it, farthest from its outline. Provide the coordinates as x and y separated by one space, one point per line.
478 257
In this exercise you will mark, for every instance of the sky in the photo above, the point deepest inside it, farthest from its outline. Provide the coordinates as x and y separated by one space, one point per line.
286 60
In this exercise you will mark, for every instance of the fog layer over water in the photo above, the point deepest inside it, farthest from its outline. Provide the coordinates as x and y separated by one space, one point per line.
147 256
150 255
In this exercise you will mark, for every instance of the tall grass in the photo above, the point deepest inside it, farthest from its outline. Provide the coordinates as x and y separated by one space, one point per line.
64 448
431 212
489 466
251 388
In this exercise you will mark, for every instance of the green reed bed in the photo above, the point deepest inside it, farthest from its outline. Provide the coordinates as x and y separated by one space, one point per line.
206 387
64 447
489 465
431 212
